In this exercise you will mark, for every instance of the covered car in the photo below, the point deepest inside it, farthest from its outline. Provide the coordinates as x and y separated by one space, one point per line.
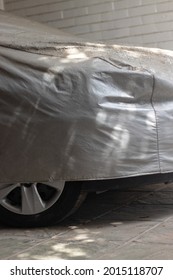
74 112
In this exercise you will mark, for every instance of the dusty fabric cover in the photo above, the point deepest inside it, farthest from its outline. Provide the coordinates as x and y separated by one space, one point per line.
77 110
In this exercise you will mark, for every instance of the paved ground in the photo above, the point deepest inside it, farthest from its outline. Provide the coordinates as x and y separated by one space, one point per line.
129 224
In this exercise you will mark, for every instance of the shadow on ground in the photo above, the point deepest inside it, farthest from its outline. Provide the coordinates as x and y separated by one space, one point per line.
128 224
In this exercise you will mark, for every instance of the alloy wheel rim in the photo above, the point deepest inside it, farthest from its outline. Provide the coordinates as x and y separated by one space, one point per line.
30 198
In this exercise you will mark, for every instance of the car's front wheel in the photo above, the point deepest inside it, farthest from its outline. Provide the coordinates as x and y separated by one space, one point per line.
38 204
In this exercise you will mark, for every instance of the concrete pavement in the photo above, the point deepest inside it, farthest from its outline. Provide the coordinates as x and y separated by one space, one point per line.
135 223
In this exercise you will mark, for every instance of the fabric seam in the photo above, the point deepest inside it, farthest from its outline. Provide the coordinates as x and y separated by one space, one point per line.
157 122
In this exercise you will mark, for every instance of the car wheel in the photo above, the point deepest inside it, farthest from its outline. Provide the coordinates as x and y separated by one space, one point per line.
38 204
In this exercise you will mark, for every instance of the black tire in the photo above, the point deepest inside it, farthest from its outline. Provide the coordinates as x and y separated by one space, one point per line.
69 200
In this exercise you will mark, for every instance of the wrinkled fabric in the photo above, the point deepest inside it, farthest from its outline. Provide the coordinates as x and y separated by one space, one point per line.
77 110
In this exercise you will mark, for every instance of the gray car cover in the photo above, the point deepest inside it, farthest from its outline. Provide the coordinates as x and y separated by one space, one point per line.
77 110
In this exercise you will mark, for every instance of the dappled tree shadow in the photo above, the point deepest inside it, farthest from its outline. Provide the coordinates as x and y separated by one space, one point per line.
104 224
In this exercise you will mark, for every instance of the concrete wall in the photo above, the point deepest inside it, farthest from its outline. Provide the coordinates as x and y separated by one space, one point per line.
136 22
1 4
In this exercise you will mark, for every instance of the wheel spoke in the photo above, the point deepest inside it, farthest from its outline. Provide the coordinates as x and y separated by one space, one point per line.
31 200
28 198
6 189
58 185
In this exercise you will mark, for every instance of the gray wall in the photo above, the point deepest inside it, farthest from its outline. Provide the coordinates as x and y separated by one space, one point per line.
1 4
136 22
